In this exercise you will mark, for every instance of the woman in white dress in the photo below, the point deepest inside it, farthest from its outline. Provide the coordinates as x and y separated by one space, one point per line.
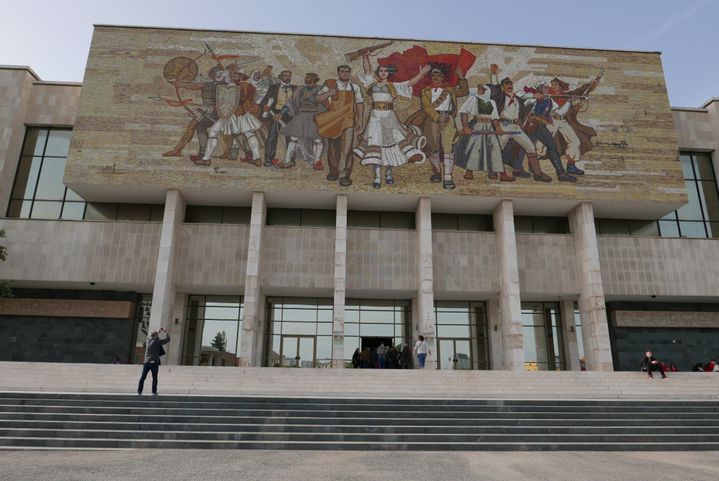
386 141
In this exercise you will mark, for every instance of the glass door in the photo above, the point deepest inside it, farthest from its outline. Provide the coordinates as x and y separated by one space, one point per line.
298 351
454 354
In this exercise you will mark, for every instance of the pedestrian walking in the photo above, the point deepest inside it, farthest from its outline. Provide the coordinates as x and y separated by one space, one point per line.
422 350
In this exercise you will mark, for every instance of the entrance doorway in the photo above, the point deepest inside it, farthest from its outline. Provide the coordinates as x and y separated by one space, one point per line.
454 354
374 342
298 351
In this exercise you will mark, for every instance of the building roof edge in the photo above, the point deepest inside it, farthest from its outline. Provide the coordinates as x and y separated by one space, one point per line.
21 67
657 52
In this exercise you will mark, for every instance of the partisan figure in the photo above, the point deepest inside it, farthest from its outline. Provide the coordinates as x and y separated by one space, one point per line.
386 141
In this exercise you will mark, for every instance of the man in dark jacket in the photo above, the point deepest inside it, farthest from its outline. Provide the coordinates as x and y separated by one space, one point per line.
153 351
650 364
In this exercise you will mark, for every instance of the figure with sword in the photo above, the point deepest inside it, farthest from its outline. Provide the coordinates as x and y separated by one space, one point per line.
573 139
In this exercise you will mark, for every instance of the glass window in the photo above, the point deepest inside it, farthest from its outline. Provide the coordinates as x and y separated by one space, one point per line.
362 218
475 222
709 199
20 208
284 217
703 205
444 222
318 218
668 228
49 185
58 143
73 210
26 177
692 229
523 224
220 320
614 227
157 212
133 212
550 225
687 169
101 211
396 220
34 141
692 210
46 210
644 227
703 166
200 214
236 215
541 327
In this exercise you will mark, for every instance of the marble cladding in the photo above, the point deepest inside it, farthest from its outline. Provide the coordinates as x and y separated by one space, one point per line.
464 262
382 259
53 104
68 251
697 129
298 257
543 257
211 255
646 266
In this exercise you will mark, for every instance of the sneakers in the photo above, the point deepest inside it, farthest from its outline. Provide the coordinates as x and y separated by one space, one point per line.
332 177
376 183
345 181
448 185
389 180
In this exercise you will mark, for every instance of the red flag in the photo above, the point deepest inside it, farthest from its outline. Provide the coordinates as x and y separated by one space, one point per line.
407 64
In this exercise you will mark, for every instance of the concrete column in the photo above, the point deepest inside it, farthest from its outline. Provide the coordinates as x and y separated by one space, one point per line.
252 310
425 287
340 274
163 292
510 308
592 308
177 330
569 336
494 323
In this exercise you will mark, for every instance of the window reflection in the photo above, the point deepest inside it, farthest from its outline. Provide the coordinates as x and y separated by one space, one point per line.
219 320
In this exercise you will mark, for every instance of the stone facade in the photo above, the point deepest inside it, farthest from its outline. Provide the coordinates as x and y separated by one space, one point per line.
115 156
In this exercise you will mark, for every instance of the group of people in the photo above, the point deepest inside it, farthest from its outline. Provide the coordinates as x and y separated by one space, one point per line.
493 130
383 357
711 366
391 357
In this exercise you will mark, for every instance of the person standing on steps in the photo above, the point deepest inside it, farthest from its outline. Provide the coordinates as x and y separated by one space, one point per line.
422 350
650 364
153 352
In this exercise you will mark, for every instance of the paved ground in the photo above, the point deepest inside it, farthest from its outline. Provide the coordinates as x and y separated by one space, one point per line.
179 465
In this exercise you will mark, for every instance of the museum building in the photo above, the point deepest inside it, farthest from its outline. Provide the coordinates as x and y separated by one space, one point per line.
114 227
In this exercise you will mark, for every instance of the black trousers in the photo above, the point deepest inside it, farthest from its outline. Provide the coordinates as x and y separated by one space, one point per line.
152 367
656 367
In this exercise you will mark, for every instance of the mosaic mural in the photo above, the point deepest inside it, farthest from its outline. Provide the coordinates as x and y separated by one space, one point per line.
181 108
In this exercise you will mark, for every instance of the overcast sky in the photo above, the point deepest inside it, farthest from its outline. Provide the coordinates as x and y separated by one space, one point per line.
53 37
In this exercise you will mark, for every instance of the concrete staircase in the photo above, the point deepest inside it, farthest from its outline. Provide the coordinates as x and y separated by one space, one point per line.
95 421
353 383
94 406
